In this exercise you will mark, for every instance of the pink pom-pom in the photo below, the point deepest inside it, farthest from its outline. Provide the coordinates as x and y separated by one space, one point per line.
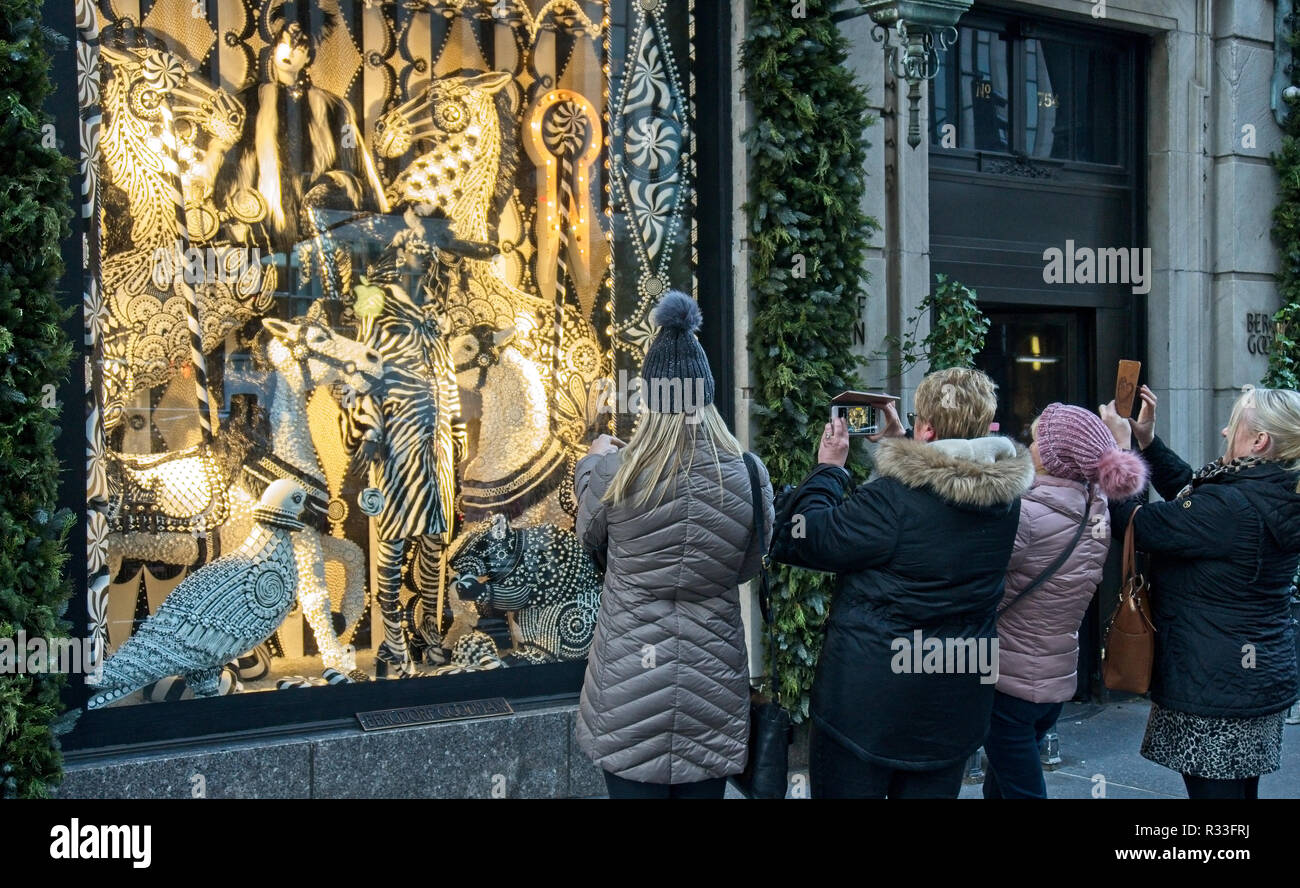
1121 474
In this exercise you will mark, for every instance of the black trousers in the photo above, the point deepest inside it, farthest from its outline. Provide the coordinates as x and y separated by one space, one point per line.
1204 788
836 772
1015 730
622 788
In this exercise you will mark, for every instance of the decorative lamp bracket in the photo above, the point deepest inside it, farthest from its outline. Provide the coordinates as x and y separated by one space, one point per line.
913 55
914 33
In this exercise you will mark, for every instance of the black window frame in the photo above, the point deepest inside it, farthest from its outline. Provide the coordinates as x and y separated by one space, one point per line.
1017 31
188 722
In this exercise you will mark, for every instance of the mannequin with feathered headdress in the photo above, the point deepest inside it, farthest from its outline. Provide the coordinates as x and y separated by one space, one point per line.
301 151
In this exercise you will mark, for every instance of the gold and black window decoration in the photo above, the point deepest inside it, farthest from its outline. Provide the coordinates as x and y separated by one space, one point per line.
360 275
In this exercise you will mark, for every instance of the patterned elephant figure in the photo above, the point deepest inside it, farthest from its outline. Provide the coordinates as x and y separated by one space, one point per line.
541 575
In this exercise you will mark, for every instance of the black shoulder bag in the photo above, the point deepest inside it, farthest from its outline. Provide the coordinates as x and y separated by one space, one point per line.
1060 559
770 731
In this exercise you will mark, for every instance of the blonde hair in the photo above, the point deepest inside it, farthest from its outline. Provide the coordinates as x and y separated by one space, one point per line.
664 445
958 402
1276 412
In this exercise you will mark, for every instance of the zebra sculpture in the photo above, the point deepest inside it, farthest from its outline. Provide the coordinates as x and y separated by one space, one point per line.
411 437
470 150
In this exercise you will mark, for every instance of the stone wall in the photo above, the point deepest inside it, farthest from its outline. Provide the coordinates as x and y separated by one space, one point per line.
530 754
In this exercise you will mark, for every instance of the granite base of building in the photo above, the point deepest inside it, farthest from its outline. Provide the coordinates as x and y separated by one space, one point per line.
531 753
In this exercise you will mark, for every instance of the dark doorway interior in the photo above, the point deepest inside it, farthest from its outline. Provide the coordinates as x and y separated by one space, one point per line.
1035 357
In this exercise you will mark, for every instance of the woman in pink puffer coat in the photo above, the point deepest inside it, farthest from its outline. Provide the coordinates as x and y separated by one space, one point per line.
1077 461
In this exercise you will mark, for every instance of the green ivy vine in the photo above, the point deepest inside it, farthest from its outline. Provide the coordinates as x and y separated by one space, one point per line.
807 239
957 328
35 203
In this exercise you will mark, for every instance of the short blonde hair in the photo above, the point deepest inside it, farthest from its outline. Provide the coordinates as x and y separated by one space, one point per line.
1275 411
958 402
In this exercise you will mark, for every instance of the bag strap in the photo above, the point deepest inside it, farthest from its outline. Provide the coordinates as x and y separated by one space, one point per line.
1060 559
760 537
1129 568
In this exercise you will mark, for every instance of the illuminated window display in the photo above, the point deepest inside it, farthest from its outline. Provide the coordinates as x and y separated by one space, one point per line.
361 276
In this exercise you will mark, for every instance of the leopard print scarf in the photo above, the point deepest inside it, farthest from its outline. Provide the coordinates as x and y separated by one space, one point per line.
1217 469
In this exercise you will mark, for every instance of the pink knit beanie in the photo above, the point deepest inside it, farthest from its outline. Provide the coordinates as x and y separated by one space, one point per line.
1075 444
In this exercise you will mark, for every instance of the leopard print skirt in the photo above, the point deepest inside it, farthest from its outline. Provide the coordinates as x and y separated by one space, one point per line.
1214 748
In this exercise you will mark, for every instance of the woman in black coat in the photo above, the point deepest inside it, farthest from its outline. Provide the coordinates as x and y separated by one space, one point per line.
1223 549
904 685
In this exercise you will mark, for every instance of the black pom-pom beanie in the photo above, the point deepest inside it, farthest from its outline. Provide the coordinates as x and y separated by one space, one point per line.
676 371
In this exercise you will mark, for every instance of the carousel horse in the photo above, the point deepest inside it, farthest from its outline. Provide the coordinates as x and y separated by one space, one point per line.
520 460
165 131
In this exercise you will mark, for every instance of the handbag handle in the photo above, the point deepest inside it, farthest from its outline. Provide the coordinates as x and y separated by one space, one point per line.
1128 569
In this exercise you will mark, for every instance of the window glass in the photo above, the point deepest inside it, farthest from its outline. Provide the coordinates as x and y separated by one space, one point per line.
970 94
1099 116
363 277
1071 110
1066 98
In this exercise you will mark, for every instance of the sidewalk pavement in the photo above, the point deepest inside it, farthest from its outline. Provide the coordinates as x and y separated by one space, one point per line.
1101 742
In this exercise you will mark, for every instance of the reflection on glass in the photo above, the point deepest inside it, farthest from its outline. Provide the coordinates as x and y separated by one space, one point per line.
1067 96
387 280
969 97
1071 97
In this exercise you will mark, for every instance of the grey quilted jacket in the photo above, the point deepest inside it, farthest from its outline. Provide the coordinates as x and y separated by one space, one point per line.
666 694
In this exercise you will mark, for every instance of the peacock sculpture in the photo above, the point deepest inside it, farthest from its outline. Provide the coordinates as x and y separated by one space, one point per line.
218 612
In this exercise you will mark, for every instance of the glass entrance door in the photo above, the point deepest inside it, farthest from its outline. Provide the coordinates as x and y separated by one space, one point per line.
1035 358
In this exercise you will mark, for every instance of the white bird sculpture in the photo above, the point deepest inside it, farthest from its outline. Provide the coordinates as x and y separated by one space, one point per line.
220 611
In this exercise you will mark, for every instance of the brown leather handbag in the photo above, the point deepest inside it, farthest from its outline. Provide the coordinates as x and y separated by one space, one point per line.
1129 648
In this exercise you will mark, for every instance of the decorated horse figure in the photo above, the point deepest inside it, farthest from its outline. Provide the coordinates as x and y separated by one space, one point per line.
467 169
165 131
308 356
164 503
520 461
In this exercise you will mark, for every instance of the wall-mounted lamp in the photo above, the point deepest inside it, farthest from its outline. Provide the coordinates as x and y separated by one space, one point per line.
921 29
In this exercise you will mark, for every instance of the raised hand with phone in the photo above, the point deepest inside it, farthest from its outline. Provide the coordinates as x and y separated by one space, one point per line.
1125 429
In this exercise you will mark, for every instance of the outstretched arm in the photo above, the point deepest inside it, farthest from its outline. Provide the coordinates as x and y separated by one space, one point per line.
824 530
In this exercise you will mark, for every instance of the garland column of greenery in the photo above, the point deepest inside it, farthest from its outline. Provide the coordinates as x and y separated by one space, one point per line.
807 238
34 353
1284 355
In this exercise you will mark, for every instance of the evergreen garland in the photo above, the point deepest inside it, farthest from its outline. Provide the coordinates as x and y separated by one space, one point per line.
807 239
1284 353
34 353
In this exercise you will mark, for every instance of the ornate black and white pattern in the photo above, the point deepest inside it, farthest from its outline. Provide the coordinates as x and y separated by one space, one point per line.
1214 748
540 574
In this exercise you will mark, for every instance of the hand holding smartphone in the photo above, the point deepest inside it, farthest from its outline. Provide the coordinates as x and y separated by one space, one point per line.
1126 387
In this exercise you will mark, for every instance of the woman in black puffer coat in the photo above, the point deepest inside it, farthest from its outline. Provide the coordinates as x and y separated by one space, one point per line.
1223 549
905 680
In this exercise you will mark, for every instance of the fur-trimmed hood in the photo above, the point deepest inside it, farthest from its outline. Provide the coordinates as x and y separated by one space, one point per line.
979 473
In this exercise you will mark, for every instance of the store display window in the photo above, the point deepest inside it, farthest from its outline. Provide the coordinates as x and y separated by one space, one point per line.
363 280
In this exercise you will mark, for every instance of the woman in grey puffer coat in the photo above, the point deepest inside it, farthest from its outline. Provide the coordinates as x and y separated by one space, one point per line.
1078 466
665 702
